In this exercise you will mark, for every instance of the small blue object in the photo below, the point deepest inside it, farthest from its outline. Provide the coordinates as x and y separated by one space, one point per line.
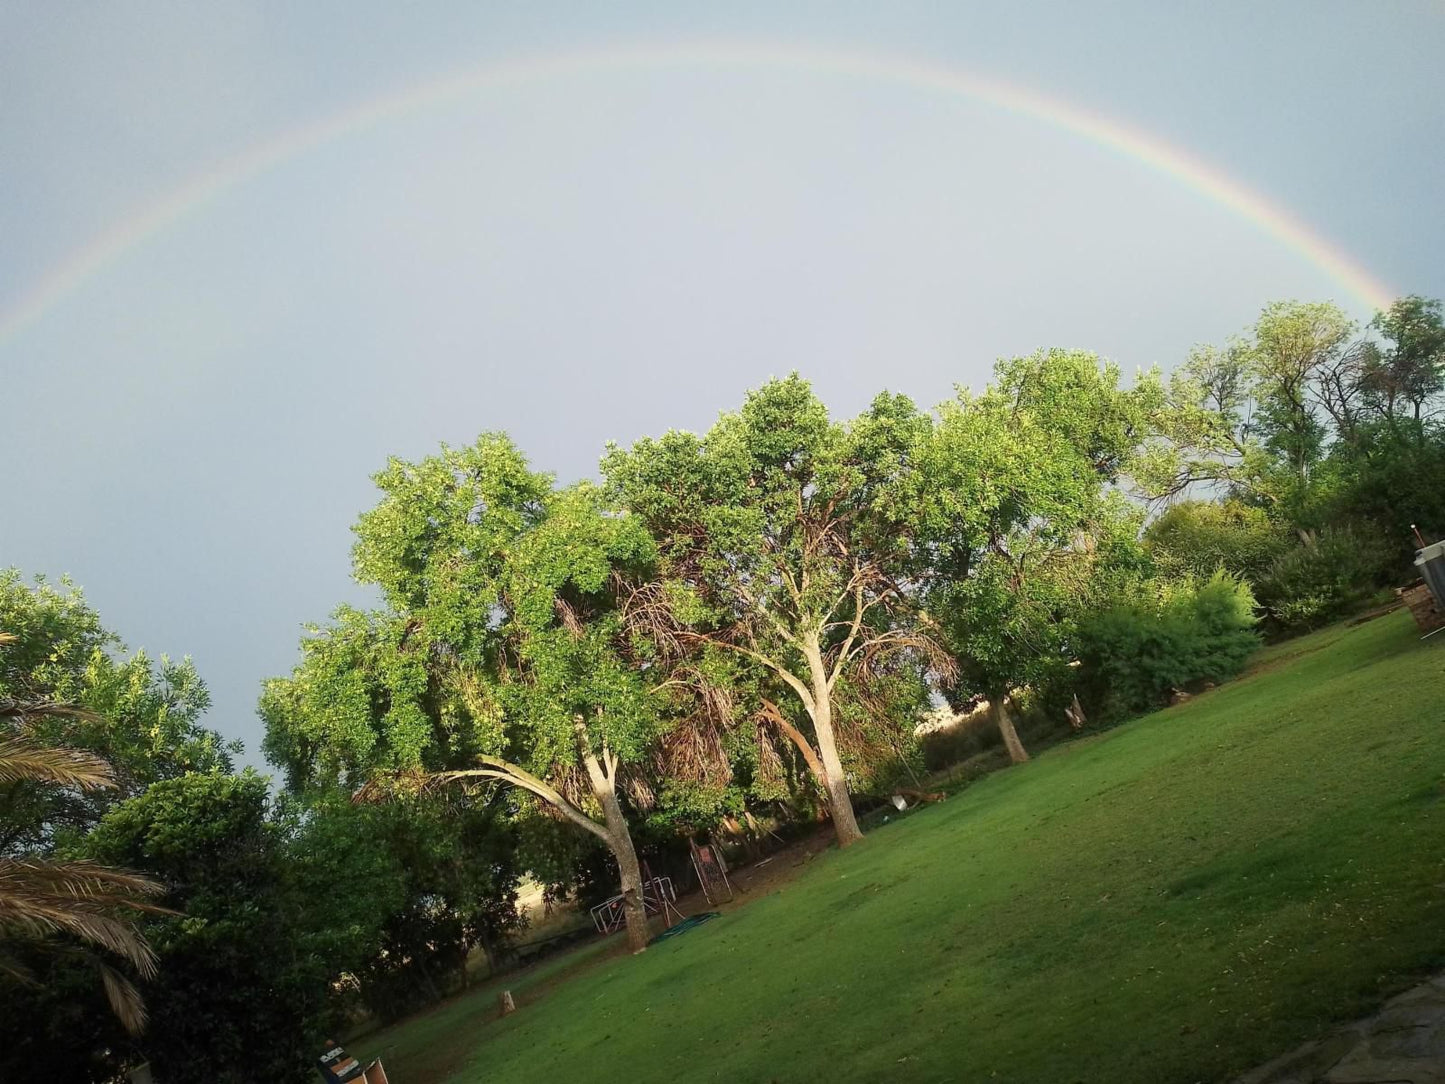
683 926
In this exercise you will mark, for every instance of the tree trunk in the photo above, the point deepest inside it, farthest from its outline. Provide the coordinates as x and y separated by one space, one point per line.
810 757
603 776
840 805
1016 751
620 840
613 832
489 951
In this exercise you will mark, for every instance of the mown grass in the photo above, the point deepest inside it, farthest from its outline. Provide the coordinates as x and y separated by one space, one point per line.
430 1045
1177 899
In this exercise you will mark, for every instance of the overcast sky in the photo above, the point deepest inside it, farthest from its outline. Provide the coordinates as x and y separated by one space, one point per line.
599 253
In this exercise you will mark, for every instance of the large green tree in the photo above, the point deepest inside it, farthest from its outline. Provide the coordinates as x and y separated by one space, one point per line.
1319 429
439 878
246 967
67 681
1262 412
1406 371
502 655
1257 414
787 541
1296 345
1026 524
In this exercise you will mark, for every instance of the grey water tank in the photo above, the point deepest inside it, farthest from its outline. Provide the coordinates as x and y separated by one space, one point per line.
1430 563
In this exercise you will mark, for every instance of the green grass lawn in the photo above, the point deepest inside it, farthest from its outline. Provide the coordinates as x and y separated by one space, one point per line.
1177 899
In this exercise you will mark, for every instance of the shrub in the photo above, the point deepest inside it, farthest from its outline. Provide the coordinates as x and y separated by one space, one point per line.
1329 575
1179 636
1199 537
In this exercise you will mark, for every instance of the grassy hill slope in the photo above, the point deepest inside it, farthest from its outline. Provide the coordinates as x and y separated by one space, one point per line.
1174 900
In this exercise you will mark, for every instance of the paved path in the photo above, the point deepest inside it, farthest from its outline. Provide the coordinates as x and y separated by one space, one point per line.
1404 1043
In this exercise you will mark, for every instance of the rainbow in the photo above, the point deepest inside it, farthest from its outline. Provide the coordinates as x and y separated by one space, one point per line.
206 187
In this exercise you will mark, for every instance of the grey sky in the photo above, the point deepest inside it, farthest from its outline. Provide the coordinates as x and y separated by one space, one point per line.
592 256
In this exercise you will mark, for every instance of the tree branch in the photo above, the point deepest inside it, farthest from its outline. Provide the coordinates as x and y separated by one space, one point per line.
777 668
843 652
517 776
778 719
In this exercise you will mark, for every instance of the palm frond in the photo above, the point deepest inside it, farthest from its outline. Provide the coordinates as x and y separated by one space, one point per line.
23 761
93 903
39 897
125 1000
13 968
79 879
40 917
30 709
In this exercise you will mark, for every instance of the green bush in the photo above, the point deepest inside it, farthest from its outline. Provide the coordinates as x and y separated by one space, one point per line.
1324 578
1181 636
1198 537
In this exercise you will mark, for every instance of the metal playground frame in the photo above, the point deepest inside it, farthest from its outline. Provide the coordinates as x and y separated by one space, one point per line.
658 897
712 872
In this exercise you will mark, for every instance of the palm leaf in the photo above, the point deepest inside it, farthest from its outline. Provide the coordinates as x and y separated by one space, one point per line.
39 897
22 761
125 1000
30 709
77 878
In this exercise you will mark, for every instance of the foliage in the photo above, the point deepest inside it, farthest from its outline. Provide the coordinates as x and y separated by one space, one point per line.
1027 527
1331 573
42 899
1296 348
215 842
1388 478
1176 636
480 562
66 682
1196 538
502 656
1407 373
443 879
234 987
786 541
1317 428
1183 897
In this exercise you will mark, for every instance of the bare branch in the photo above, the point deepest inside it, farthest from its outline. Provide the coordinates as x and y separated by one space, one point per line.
844 652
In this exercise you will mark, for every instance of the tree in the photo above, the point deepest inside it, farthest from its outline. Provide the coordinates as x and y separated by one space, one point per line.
246 968
1262 412
1024 520
66 682
1293 344
1389 479
1409 370
787 540
422 879
1163 636
1314 429
502 656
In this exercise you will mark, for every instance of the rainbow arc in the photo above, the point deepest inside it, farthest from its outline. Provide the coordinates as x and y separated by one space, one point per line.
205 188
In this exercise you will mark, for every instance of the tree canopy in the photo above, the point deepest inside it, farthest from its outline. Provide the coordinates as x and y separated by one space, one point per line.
787 541
502 655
